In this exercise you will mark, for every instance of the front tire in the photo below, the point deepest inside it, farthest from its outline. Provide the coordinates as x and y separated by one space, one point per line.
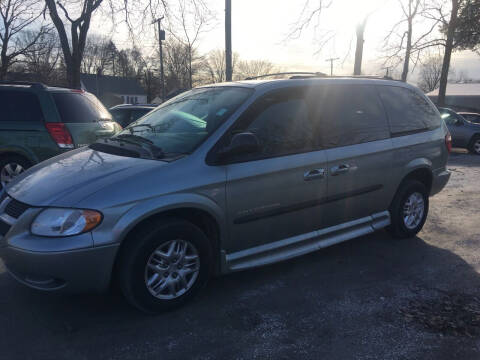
409 209
164 265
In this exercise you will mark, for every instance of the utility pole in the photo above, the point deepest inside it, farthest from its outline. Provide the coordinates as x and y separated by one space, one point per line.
387 70
331 64
228 40
161 36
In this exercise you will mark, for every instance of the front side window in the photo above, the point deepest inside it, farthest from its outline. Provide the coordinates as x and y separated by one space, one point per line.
182 123
283 126
281 122
407 111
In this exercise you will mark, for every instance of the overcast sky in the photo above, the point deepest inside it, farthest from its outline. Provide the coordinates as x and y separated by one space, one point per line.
260 29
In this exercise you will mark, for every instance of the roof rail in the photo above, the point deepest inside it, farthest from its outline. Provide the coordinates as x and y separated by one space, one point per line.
376 77
37 85
310 74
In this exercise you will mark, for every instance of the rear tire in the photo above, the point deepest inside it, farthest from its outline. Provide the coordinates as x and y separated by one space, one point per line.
409 210
10 167
154 281
474 147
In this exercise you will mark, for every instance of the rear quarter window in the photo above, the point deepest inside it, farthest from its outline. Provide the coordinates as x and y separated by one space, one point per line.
20 106
79 108
408 112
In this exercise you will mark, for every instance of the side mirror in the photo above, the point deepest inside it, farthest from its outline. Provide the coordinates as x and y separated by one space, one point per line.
242 143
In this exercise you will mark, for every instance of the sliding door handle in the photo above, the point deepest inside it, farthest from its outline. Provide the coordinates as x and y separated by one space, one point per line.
339 169
314 174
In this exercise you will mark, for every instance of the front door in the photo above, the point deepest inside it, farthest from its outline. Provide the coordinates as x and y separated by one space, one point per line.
277 193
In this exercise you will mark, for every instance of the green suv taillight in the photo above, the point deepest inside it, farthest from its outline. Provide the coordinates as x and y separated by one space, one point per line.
60 134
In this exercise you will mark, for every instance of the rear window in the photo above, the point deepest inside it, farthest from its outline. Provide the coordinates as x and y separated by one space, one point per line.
408 111
20 106
121 116
80 107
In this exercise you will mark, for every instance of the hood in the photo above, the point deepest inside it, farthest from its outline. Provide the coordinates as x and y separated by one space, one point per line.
68 178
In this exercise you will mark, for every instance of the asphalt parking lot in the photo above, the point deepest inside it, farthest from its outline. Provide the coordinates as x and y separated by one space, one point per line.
370 298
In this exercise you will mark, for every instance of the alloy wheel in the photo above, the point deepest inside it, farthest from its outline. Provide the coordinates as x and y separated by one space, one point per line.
413 210
9 171
172 269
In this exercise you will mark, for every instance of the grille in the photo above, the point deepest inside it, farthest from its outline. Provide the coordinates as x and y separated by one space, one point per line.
4 227
15 208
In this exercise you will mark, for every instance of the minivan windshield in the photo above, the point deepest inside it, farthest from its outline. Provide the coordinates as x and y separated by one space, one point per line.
182 123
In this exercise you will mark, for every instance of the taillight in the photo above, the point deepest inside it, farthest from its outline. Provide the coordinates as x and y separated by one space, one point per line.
60 134
448 141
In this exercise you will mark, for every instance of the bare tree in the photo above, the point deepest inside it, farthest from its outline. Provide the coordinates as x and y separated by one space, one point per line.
187 22
430 72
214 66
311 14
449 27
360 31
42 58
99 55
79 26
251 68
401 43
15 17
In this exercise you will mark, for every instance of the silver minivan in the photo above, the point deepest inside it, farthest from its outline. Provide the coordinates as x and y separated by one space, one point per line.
224 178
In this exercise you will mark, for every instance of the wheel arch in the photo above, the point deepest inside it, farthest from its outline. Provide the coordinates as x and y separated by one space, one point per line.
419 170
208 219
18 151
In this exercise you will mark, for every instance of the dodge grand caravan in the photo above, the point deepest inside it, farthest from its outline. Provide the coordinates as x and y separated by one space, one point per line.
225 178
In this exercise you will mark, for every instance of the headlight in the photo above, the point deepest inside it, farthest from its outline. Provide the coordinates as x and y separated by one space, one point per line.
65 222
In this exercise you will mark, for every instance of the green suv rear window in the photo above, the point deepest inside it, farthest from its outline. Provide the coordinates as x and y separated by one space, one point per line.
80 108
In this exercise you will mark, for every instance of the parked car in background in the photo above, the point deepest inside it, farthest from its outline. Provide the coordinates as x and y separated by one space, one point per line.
465 134
125 114
225 178
472 117
38 122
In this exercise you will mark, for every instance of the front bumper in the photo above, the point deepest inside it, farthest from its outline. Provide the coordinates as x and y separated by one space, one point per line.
74 271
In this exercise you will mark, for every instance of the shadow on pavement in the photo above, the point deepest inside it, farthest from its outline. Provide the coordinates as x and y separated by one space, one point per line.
341 302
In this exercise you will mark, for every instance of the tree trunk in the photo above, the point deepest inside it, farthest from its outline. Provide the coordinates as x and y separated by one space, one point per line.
448 54
357 70
408 50
73 73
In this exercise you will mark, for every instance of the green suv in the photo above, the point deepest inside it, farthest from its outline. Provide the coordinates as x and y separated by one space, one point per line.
38 122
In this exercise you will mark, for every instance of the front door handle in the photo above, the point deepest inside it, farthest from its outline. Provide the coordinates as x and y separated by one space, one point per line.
339 169
314 174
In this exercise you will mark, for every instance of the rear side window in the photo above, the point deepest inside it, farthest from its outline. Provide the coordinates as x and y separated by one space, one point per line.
408 112
79 108
348 115
20 106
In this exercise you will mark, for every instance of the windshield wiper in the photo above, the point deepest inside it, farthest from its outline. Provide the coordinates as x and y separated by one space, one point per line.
134 137
130 128
155 151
